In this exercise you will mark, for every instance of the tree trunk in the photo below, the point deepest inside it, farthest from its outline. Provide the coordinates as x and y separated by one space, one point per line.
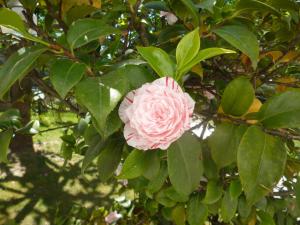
21 98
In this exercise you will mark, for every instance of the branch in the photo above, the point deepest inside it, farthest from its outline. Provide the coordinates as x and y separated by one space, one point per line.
49 90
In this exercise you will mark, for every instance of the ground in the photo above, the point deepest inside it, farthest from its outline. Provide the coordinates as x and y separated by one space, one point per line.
36 187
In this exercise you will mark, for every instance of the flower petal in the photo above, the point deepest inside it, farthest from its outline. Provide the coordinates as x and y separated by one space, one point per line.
134 139
127 102
168 82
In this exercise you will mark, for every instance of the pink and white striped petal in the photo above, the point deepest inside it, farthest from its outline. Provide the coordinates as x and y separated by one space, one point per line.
127 101
168 82
133 139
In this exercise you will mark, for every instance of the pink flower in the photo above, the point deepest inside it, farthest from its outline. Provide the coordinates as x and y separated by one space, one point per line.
170 17
156 114
112 217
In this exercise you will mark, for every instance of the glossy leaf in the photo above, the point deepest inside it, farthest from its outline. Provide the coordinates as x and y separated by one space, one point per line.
187 48
136 164
12 20
241 38
197 212
5 137
159 60
224 143
281 111
101 96
237 97
184 164
86 30
17 66
136 75
65 74
261 160
110 158
203 55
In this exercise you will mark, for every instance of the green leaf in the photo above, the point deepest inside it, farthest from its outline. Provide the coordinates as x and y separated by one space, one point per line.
157 5
136 164
92 152
187 48
86 30
153 168
203 55
163 199
101 96
5 137
281 111
228 207
213 193
110 158
207 4
184 164
65 74
224 143
265 218
235 189
158 181
175 196
197 212
237 97
12 20
261 161
297 191
136 75
241 38
255 5
159 60
193 10
178 215
17 66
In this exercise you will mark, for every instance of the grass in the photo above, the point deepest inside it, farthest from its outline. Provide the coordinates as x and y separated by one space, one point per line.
34 183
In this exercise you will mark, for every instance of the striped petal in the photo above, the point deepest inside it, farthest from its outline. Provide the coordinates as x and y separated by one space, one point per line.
127 102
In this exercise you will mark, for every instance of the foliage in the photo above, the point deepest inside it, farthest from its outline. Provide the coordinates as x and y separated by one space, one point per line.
231 56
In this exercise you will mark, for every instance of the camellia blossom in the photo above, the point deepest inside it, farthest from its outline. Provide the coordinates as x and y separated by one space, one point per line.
156 114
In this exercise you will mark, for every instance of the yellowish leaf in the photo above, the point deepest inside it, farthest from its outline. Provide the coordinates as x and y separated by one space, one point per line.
275 55
289 56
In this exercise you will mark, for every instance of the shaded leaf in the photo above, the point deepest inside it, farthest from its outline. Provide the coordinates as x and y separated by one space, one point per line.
110 158
5 138
260 163
213 193
197 212
184 164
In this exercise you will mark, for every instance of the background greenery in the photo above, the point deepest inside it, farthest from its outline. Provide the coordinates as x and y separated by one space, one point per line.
67 64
